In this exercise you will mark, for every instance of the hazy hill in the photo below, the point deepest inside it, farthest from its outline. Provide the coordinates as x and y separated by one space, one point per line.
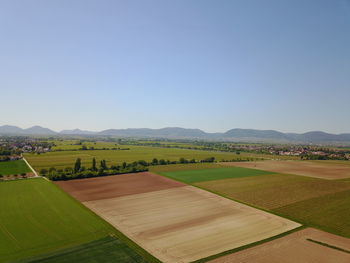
77 132
164 132
38 130
258 134
35 130
243 135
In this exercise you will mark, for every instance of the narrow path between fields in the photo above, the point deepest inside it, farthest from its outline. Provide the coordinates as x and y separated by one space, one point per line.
34 172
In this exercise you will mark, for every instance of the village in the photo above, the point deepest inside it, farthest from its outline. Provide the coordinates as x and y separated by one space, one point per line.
305 152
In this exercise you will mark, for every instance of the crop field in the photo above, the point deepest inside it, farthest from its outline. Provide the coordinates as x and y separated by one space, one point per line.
114 186
329 212
13 167
65 159
40 218
274 190
308 245
315 202
332 162
107 249
183 167
177 223
306 168
75 145
191 176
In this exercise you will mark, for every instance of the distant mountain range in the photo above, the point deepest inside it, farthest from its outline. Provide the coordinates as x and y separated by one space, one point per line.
243 135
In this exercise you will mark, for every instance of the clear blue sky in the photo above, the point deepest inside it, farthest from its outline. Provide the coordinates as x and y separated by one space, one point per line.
213 65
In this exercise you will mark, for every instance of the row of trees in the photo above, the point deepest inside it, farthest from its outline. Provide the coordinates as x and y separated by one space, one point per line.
102 169
79 171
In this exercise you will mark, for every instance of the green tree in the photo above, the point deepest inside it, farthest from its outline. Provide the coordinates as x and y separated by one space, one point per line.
183 160
77 165
142 162
155 161
94 168
103 165
43 172
68 169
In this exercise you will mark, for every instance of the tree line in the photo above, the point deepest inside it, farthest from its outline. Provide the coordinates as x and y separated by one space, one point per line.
102 169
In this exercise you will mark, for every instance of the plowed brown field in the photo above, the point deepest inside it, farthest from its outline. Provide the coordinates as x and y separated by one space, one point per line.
115 186
183 224
305 168
295 248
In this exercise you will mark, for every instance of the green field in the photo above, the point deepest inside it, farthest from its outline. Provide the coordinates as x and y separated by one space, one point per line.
107 249
275 190
74 145
183 167
330 212
41 218
14 167
65 159
192 176
311 201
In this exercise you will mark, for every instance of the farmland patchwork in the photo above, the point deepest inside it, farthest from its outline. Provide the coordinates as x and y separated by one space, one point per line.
308 245
191 176
172 221
304 168
41 218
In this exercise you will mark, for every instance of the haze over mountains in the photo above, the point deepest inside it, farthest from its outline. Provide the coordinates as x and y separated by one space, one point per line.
246 135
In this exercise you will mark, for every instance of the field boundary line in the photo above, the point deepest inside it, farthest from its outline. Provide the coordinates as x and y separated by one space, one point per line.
31 168
302 225
328 245
254 244
236 200
116 232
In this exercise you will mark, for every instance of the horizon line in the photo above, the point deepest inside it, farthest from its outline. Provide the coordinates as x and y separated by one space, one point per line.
97 131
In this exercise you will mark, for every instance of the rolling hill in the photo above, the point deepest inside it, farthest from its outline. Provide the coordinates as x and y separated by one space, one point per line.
242 135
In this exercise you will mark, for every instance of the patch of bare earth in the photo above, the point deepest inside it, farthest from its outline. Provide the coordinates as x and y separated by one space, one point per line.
116 185
183 224
294 248
305 168
18 176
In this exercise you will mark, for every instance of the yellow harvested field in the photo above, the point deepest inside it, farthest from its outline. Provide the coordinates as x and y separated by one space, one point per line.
305 168
296 247
183 224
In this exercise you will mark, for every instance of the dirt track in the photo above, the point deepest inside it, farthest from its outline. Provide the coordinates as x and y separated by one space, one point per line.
305 168
115 186
182 224
294 248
